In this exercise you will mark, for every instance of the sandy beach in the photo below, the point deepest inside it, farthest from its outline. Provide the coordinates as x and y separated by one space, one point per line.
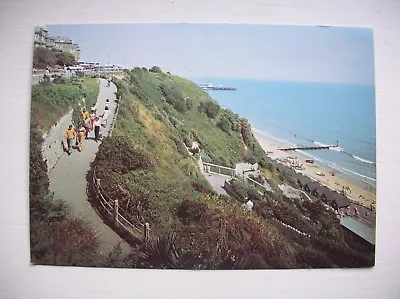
359 191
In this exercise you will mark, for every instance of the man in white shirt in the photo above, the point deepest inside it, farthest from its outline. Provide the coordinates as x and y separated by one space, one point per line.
248 205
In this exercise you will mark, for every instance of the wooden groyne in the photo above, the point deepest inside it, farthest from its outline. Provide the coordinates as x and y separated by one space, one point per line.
306 148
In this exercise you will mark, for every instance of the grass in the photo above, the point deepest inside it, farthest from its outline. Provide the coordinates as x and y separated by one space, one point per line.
56 236
49 102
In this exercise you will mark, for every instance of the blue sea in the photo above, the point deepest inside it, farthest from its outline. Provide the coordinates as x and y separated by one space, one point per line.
305 114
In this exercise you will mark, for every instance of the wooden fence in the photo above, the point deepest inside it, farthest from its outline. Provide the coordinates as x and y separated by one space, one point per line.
114 213
115 117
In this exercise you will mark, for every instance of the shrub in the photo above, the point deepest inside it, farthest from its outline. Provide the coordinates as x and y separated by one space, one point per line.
202 186
155 69
190 212
247 135
119 155
210 108
181 148
225 125
162 252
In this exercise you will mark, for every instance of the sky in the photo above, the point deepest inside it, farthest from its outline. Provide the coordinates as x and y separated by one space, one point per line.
260 52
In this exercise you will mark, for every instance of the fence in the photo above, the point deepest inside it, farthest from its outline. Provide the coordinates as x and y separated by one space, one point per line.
223 170
113 212
115 117
260 187
213 168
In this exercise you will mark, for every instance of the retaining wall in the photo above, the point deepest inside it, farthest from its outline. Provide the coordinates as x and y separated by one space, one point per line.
52 147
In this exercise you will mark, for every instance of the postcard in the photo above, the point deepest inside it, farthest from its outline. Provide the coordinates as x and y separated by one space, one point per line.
202 146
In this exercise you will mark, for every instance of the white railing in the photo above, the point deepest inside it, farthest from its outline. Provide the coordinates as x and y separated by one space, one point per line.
218 169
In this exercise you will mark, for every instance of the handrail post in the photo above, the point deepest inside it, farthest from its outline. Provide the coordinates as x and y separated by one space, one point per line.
116 212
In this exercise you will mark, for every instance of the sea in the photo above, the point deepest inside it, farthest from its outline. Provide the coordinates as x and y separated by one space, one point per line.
310 113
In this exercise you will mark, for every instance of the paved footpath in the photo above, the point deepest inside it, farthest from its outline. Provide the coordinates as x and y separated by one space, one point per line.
68 178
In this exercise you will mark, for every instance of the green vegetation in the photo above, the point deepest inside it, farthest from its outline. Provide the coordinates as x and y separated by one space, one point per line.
51 101
146 166
56 236
43 58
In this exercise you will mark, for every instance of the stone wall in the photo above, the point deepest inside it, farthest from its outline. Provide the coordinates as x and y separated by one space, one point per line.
52 147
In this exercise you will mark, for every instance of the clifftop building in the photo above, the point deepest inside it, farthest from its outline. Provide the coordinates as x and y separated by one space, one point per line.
42 39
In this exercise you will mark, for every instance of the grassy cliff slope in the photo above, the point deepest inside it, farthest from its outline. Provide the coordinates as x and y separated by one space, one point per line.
147 167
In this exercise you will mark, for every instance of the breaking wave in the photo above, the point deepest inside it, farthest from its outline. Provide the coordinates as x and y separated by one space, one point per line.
362 159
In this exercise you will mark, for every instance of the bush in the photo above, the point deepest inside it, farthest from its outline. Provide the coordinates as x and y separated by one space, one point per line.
181 148
225 125
190 212
201 185
155 69
119 155
210 108
247 134
59 80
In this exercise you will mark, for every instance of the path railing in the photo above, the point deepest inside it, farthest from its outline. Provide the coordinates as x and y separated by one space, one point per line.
115 117
114 213
223 170
218 169
257 185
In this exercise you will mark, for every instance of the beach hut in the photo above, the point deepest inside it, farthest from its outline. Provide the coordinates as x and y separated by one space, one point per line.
281 168
328 196
302 180
309 187
339 201
321 192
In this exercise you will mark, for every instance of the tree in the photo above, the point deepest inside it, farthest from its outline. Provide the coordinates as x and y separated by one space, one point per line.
63 58
155 69
42 58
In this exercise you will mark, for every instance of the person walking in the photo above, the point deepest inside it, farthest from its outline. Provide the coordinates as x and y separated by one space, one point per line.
86 125
80 137
93 109
107 103
105 116
84 113
70 136
92 117
97 124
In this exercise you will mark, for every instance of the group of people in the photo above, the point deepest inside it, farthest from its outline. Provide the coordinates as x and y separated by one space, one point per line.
89 122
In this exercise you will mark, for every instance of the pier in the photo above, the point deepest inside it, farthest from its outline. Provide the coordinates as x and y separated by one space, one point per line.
210 86
307 148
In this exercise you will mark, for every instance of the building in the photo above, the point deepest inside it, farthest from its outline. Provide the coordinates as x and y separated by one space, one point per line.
41 36
42 39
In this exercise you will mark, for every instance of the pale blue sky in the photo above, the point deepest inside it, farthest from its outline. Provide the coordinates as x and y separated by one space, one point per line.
262 52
